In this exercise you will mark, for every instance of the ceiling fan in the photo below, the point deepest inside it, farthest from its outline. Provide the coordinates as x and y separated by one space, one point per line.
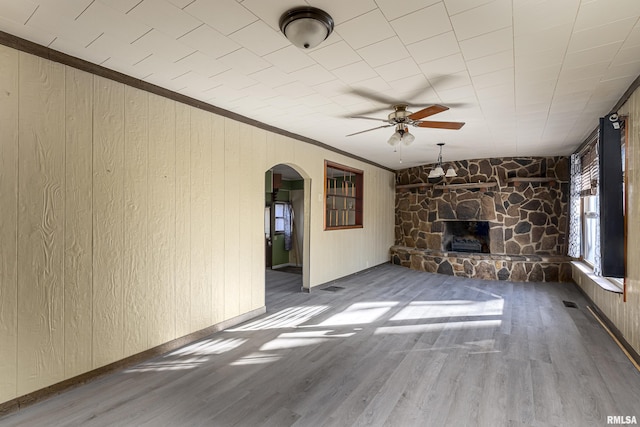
401 118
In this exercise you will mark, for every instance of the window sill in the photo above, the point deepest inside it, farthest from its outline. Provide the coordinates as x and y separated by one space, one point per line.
610 285
343 227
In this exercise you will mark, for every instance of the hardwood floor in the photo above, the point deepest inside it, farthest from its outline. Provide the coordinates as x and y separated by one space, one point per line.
393 347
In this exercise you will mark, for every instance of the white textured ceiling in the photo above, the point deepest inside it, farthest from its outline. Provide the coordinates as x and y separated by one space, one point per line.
529 77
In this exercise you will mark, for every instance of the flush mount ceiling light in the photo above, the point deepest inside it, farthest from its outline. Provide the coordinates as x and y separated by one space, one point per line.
438 171
306 27
401 135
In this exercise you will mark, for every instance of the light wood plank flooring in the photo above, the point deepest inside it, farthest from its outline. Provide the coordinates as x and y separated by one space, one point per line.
394 347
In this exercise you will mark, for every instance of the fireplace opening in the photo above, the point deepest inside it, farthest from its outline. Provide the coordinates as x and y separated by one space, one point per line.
466 236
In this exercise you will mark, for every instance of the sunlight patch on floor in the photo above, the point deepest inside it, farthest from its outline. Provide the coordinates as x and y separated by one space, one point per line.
209 346
287 318
437 327
360 313
454 308
256 359
301 339
190 356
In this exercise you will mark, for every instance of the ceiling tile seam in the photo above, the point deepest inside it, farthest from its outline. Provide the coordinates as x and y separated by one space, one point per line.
411 13
84 10
607 23
489 32
466 61
358 16
229 53
136 5
146 57
93 41
513 57
248 25
337 30
162 32
426 38
491 72
188 4
597 47
562 65
192 30
141 36
386 63
471 8
453 30
491 54
226 35
186 56
180 75
278 68
221 72
31 16
626 38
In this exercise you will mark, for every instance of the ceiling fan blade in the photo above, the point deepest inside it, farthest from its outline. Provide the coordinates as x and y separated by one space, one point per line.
429 111
368 130
368 118
439 125
373 96
371 111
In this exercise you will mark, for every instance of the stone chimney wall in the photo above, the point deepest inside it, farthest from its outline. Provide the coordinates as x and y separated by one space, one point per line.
526 218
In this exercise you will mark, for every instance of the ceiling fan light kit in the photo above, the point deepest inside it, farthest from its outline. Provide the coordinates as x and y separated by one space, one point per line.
306 27
401 135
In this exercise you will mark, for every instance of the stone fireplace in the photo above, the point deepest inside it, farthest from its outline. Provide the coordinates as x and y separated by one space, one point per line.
500 219
466 236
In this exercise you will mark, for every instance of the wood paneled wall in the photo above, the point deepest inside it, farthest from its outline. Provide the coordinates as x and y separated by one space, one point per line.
626 315
128 220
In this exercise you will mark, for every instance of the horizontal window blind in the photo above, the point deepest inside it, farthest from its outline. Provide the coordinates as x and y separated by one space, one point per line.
589 167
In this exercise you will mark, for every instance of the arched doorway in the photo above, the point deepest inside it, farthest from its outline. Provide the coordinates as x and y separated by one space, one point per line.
287 212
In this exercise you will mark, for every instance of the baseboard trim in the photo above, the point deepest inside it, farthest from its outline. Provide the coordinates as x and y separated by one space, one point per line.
58 388
627 352
611 328
347 276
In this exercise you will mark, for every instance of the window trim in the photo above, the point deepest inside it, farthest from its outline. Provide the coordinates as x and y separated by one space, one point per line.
275 217
612 284
357 197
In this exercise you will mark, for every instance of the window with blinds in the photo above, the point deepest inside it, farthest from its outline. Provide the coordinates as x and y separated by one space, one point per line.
589 176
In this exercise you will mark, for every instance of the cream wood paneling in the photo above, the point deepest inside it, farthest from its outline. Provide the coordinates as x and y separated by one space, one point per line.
136 269
233 175
245 178
41 169
108 221
257 170
78 275
137 220
201 205
218 190
183 220
625 315
9 65
162 211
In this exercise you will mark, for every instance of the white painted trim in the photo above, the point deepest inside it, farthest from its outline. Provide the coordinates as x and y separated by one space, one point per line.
604 282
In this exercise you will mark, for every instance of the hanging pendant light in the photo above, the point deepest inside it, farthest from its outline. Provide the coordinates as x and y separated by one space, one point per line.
438 171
